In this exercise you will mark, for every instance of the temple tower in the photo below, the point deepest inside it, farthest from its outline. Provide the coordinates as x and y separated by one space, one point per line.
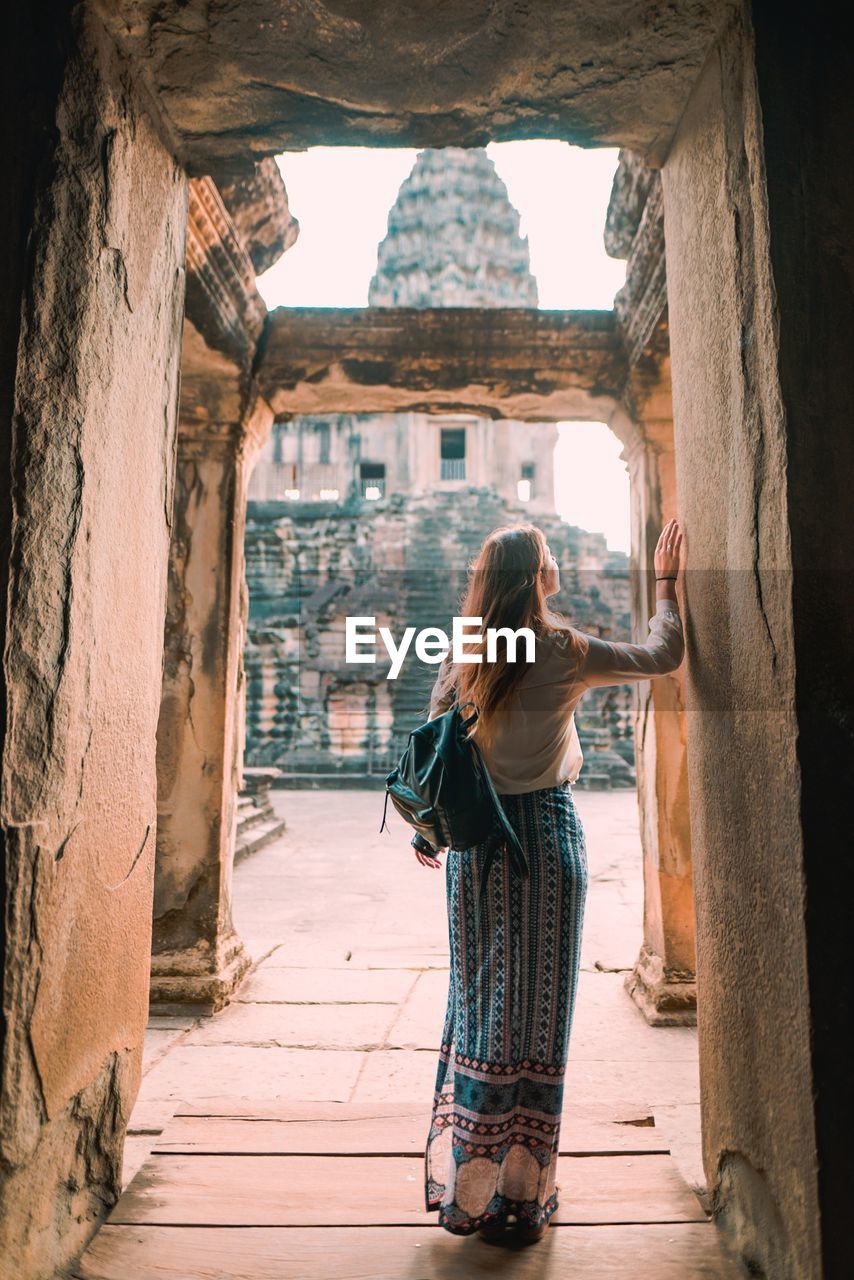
453 239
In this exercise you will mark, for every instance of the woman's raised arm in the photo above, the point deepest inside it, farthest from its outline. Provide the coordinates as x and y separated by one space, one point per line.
614 662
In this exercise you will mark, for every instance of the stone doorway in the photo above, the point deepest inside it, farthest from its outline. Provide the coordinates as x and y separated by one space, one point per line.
740 107
376 374
576 382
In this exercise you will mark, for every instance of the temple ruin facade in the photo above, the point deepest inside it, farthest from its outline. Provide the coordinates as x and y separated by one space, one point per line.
141 376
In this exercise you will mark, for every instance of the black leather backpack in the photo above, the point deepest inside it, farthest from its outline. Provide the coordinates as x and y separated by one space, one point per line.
442 788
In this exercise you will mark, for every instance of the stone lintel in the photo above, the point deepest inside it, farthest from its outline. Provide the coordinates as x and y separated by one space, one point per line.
257 78
223 303
631 186
665 997
515 363
642 301
255 196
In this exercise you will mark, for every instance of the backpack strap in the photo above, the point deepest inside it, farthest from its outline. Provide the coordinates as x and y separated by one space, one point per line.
384 824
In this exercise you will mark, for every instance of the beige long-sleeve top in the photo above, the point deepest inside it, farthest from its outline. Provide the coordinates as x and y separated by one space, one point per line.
534 743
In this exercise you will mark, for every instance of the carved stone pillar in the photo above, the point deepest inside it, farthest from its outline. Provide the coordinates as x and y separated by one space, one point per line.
663 981
197 958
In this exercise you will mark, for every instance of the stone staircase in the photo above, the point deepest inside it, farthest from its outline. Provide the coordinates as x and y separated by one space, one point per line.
257 822
407 560
433 583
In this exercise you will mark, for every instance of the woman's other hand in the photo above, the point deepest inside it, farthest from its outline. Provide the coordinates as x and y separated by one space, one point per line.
426 860
667 550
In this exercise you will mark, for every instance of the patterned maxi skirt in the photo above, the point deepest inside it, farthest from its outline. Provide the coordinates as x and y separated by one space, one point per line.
493 1140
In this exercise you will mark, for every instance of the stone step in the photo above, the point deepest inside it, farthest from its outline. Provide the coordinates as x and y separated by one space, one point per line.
253 817
249 842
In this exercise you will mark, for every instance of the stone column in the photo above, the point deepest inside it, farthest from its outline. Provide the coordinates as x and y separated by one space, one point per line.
197 958
663 981
233 231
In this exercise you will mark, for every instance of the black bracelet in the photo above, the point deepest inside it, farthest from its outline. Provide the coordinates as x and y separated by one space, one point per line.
666 578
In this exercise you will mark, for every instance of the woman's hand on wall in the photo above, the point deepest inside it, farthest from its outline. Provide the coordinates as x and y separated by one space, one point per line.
668 550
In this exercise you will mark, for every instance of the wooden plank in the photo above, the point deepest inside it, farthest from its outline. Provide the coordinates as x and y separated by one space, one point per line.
398 1135
135 1152
633 1123
394 1134
689 1251
259 1191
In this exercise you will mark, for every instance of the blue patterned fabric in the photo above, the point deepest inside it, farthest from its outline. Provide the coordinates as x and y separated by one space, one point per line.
493 1140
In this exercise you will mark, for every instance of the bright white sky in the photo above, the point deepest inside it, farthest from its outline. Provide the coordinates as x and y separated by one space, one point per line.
342 197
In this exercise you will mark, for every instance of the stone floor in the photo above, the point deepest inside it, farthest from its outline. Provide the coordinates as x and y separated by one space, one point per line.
284 1137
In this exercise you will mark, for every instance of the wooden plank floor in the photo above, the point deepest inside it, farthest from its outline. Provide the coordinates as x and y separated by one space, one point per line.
385 1131
284 1139
686 1252
343 1190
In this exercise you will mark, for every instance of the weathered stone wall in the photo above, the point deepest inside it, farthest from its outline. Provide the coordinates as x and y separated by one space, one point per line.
403 561
91 460
760 458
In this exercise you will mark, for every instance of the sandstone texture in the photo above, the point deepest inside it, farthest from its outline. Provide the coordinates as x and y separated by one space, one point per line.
453 238
107 108
743 715
633 182
92 458
197 957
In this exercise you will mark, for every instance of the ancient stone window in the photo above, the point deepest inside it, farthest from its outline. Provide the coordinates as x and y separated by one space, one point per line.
323 440
452 453
525 483
372 480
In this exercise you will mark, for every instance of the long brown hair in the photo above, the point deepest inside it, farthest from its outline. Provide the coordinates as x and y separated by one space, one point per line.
506 588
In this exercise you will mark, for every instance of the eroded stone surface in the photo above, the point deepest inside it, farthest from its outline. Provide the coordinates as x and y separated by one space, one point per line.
527 365
262 77
93 428
743 725
258 204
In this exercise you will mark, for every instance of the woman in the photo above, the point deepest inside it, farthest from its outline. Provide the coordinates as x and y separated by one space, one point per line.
491 1155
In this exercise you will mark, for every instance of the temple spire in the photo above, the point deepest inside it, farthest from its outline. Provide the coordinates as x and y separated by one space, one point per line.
453 238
